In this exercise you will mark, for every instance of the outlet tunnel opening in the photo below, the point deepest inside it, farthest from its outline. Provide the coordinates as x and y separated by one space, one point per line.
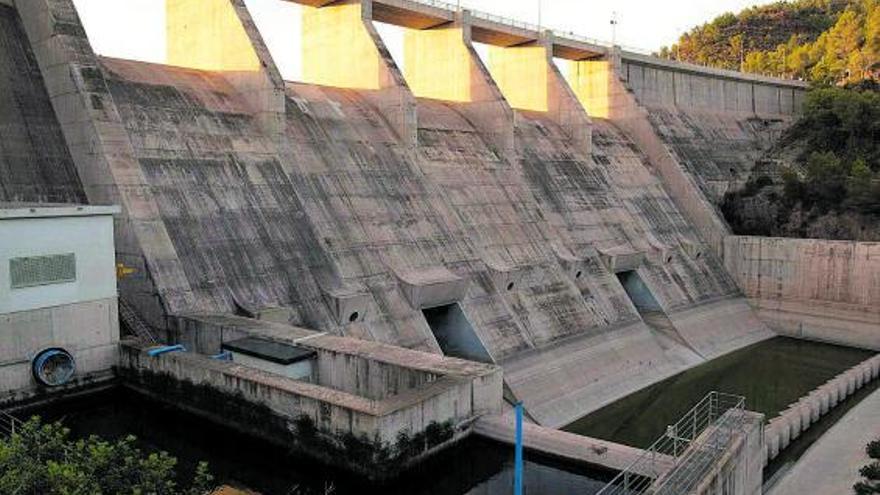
638 292
455 334
653 314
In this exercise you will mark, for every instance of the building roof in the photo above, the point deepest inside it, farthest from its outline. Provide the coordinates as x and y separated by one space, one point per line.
269 350
50 210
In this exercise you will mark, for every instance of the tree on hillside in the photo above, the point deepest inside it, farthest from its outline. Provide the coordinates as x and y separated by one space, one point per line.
827 41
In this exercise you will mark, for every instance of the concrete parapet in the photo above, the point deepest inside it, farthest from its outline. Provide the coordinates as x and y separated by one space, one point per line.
843 387
875 367
824 394
784 431
658 82
867 374
772 434
798 417
815 402
833 394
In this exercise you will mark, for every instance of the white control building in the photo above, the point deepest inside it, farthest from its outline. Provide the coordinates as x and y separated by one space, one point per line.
59 325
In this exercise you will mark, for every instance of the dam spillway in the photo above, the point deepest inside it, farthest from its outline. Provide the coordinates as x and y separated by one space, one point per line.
357 203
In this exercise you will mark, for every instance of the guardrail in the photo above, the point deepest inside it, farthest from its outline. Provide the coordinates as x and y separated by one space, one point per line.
507 21
567 34
694 444
436 3
9 424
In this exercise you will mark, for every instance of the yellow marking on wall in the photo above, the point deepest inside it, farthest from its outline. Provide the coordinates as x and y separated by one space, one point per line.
521 72
437 64
208 35
591 82
337 49
123 271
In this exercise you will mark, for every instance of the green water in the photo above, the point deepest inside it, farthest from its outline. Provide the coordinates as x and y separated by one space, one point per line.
473 467
771 375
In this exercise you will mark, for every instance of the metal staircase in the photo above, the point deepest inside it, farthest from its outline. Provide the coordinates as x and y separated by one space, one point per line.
135 324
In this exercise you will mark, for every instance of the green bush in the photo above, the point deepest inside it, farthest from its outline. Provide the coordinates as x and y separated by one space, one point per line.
840 130
871 472
42 459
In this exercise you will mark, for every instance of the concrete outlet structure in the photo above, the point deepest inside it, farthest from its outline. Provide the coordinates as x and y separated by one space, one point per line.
370 392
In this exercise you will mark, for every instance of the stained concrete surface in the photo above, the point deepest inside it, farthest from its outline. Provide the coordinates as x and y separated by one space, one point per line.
35 164
721 151
831 465
331 218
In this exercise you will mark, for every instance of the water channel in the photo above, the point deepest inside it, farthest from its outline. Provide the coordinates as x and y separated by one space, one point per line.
771 375
473 467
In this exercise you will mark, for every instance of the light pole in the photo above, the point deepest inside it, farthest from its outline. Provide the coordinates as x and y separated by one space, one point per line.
614 28
540 2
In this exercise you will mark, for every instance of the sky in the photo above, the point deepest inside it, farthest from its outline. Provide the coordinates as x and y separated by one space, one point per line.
134 29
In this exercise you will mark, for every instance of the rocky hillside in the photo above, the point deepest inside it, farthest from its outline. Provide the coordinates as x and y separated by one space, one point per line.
825 178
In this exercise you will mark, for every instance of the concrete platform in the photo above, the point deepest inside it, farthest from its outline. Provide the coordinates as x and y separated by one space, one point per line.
831 465
561 444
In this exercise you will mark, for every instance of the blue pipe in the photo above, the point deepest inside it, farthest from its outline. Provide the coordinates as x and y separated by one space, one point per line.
518 449
223 356
166 349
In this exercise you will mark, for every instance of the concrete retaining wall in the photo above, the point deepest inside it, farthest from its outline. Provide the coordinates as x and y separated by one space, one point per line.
656 82
368 369
784 429
392 431
809 288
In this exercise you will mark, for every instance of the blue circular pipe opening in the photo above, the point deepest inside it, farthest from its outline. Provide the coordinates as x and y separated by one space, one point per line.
54 367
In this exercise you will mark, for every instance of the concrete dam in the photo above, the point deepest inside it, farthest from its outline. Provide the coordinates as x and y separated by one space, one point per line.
384 249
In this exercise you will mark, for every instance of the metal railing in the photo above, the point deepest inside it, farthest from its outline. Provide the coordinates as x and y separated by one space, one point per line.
571 35
680 459
436 3
507 21
9 424
561 33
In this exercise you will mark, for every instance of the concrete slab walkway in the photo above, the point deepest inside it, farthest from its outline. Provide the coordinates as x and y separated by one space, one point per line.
832 464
